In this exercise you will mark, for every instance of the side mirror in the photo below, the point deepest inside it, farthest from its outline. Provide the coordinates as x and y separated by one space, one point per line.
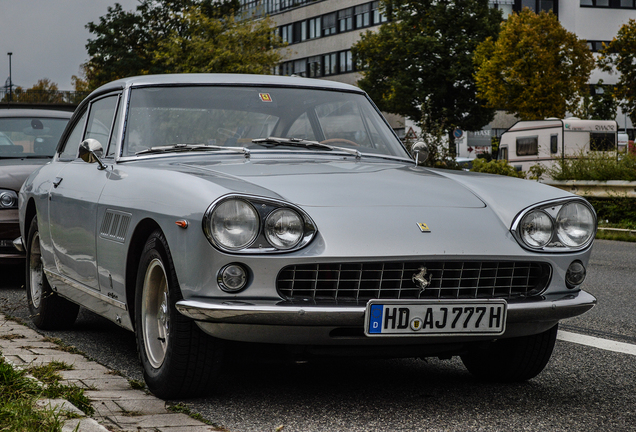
88 152
420 150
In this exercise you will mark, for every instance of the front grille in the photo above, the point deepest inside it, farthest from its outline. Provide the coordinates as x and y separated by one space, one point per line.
359 282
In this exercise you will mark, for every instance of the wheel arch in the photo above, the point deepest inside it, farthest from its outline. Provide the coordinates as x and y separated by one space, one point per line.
29 214
141 233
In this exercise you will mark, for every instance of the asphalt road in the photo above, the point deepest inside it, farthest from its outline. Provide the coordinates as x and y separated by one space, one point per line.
583 388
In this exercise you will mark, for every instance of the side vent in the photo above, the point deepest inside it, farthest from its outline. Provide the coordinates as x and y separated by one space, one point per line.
115 225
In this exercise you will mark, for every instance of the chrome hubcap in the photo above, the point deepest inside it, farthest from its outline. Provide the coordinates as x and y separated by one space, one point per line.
35 271
155 313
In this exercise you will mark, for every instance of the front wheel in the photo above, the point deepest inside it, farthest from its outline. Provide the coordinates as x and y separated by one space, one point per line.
48 310
512 360
178 358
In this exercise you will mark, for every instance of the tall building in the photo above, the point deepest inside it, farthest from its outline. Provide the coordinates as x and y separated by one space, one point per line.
320 34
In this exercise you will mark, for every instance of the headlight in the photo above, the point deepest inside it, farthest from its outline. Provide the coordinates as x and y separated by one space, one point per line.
283 228
248 224
575 224
8 199
234 224
536 228
558 226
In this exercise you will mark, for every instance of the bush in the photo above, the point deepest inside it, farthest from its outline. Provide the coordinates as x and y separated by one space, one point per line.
615 211
596 166
500 167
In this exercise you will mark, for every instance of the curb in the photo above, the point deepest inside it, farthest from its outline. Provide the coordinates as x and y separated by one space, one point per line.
118 407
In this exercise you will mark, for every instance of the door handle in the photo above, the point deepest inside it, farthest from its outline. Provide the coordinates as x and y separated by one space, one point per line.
57 181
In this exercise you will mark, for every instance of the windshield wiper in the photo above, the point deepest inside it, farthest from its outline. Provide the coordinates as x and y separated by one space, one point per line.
193 147
298 142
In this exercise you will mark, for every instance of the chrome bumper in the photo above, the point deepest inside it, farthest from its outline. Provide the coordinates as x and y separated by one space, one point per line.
261 312
17 243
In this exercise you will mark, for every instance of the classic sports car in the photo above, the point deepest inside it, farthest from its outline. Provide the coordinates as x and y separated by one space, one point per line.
28 139
200 209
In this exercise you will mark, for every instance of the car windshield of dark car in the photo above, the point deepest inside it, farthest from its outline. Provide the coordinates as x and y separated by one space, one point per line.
233 116
30 136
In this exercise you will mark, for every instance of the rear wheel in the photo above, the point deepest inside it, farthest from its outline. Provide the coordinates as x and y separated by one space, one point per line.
514 359
178 358
48 310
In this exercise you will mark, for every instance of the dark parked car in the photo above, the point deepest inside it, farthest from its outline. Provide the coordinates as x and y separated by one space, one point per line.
28 139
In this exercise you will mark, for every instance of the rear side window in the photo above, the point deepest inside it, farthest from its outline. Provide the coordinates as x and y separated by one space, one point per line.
554 143
528 146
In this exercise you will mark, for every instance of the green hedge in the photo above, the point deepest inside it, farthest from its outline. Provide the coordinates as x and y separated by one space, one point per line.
615 211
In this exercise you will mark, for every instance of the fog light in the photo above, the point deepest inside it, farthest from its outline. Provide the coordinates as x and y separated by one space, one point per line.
232 278
575 274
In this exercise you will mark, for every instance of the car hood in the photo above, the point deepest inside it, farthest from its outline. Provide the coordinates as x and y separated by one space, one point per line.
13 172
340 183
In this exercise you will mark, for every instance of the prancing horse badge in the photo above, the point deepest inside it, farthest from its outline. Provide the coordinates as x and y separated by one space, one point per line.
423 227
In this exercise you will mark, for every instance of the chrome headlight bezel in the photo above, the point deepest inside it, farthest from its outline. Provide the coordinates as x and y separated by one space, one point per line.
8 199
552 209
264 208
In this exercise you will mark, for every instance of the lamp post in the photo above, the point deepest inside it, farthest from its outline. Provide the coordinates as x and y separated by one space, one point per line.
10 81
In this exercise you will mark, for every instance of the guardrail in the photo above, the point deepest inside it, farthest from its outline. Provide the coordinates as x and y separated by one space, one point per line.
597 189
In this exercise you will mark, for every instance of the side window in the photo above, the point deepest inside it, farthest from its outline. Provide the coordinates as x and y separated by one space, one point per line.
100 119
71 146
554 143
528 146
302 128
115 137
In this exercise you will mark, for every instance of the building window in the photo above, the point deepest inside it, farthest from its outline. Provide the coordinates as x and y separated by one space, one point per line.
528 146
286 33
300 67
345 20
596 46
315 29
314 66
537 5
346 61
378 16
595 3
331 64
329 24
627 3
363 15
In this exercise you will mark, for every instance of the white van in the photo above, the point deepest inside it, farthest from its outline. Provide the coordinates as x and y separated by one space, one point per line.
528 143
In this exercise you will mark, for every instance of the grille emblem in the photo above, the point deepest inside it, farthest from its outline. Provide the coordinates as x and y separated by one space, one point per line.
420 279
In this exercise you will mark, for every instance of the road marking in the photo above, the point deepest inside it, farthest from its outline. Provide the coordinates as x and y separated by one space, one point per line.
606 344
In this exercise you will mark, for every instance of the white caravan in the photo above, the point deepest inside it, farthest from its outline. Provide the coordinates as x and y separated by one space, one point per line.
529 143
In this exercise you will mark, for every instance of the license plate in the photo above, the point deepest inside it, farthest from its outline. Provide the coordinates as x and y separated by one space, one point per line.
435 318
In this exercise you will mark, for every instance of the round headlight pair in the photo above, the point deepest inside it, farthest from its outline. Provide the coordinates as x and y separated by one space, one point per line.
573 226
235 224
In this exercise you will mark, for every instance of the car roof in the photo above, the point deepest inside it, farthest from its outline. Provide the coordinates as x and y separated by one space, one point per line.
226 79
24 112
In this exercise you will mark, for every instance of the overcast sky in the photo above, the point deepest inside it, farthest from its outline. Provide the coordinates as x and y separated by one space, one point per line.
48 38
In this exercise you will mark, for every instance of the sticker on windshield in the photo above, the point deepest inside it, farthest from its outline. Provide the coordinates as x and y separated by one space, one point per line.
265 97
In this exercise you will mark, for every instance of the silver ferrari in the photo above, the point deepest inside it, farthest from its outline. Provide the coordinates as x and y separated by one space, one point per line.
200 209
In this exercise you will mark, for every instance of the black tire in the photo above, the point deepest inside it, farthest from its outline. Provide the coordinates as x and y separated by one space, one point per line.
48 310
178 358
514 359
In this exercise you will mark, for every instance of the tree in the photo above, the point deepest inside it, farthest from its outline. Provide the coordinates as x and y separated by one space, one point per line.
209 44
44 91
535 69
420 63
601 106
139 42
620 56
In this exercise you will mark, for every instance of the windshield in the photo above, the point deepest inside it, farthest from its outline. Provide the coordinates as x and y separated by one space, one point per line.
235 116
30 136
